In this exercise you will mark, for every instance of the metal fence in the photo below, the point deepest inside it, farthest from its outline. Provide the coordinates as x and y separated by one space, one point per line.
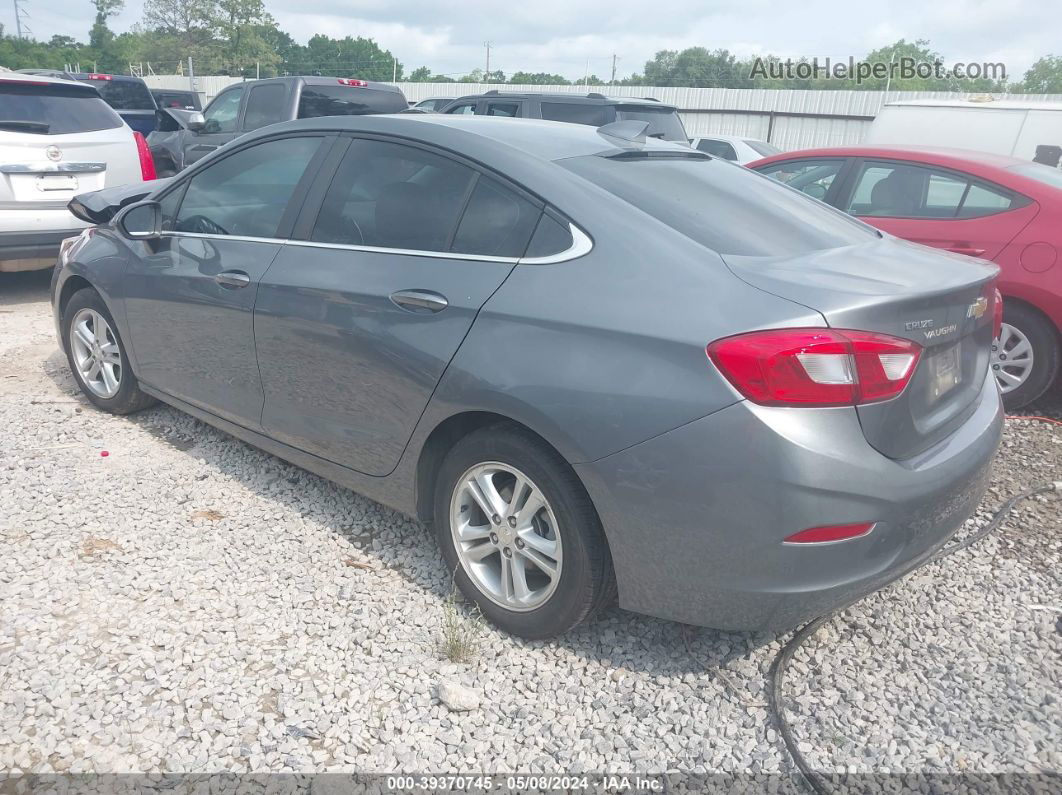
789 119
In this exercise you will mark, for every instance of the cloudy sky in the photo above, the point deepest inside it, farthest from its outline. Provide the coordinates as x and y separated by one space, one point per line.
561 35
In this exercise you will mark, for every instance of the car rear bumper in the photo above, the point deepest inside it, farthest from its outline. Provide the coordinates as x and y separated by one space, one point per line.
696 518
32 246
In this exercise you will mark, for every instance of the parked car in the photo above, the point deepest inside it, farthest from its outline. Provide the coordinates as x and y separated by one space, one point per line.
58 138
992 207
593 109
735 148
184 137
1026 129
127 95
434 104
60 73
172 98
501 328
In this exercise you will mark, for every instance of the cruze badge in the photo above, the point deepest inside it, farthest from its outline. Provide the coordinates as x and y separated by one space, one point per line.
977 308
911 325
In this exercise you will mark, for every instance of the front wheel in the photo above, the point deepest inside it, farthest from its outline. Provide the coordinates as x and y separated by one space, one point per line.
519 533
1025 358
97 356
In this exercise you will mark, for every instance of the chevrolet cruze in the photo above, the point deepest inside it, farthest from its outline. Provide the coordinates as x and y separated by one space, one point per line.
596 363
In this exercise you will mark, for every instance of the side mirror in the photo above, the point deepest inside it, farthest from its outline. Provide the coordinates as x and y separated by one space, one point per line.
196 122
141 221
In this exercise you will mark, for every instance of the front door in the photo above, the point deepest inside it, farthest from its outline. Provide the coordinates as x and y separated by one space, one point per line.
356 324
189 296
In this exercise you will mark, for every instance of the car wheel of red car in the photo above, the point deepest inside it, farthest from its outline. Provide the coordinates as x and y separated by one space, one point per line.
1025 358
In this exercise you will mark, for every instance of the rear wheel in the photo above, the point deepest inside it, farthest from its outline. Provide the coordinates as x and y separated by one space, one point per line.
97 356
519 533
1025 358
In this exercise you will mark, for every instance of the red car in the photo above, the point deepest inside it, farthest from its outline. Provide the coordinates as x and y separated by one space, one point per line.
999 208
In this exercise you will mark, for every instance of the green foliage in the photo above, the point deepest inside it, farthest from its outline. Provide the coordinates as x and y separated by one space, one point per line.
538 79
1044 76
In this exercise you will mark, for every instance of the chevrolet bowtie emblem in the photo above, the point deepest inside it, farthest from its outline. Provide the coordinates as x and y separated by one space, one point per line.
977 308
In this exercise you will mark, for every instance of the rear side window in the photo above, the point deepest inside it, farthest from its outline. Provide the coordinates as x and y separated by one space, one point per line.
53 109
574 113
551 237
510 109
124 94
319 100
722 206
903 190
246 193
463 110
265 105
388 195
721 149
496 222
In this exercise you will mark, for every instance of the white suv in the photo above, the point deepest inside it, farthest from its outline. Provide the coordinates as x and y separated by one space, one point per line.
57 139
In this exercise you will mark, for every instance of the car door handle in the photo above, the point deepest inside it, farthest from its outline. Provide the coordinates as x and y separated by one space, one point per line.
232 280
419 301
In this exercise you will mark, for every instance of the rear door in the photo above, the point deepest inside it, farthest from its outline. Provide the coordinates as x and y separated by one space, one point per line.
356 323
937 207
222 116
189 296
57 140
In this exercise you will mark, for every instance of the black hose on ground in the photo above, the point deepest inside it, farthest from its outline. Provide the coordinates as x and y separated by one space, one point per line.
775 701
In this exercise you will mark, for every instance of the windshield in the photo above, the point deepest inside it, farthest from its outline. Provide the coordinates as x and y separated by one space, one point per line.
663 122
124 94
725 207
1039 172
762 148
53 109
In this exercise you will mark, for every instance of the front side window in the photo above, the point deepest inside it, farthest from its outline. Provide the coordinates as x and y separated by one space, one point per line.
247 192
390 195
722 206
811 177
221 115
265 105
718 148
904 190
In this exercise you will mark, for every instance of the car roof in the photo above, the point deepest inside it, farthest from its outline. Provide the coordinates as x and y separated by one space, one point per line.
564 96
965 159
988 104
318 80
25 77
548 140
730 138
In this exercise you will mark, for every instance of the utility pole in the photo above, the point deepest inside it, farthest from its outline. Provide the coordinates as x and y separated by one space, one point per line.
486 73
613 80
394 70
19 13
191 74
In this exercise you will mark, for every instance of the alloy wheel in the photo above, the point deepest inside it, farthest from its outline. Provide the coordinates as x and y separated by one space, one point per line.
506 536
96 353
1012 358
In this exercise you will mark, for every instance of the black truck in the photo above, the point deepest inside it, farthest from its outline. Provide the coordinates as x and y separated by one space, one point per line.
184 136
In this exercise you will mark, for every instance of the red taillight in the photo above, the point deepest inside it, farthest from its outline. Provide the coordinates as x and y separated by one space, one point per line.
997 315
830 533
350 81
816 367
147 163
95 76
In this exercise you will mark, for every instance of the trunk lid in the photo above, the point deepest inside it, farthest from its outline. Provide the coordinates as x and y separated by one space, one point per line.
904 290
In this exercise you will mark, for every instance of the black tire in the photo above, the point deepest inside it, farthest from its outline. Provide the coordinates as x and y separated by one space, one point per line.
586 582
1043 337
128 398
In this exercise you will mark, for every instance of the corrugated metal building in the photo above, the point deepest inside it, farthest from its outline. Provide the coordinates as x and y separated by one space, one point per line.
790 119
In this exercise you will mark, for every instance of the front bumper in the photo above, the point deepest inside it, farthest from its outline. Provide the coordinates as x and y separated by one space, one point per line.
695 518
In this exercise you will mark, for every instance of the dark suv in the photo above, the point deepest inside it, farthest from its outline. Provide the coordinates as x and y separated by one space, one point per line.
185 136
594 109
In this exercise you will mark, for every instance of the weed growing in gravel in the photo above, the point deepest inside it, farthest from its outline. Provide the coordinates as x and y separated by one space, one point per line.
460 634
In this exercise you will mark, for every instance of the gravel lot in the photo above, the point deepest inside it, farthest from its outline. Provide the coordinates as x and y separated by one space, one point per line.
188 603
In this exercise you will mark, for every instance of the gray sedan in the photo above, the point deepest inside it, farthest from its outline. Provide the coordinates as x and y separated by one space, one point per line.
594 362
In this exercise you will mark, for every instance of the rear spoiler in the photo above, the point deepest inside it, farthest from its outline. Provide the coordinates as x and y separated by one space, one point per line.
100 206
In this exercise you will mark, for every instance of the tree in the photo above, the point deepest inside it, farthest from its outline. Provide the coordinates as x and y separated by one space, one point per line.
421 74
347 57
243 27
100 35
1044 76
538 79
697 67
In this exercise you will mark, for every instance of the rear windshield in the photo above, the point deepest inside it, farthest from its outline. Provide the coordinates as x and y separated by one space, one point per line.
723 206
124 94
1039 172
763 148
175 99
347 101
53 109
663 122
574 113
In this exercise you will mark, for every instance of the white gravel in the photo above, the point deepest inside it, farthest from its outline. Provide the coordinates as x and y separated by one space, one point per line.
188 603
